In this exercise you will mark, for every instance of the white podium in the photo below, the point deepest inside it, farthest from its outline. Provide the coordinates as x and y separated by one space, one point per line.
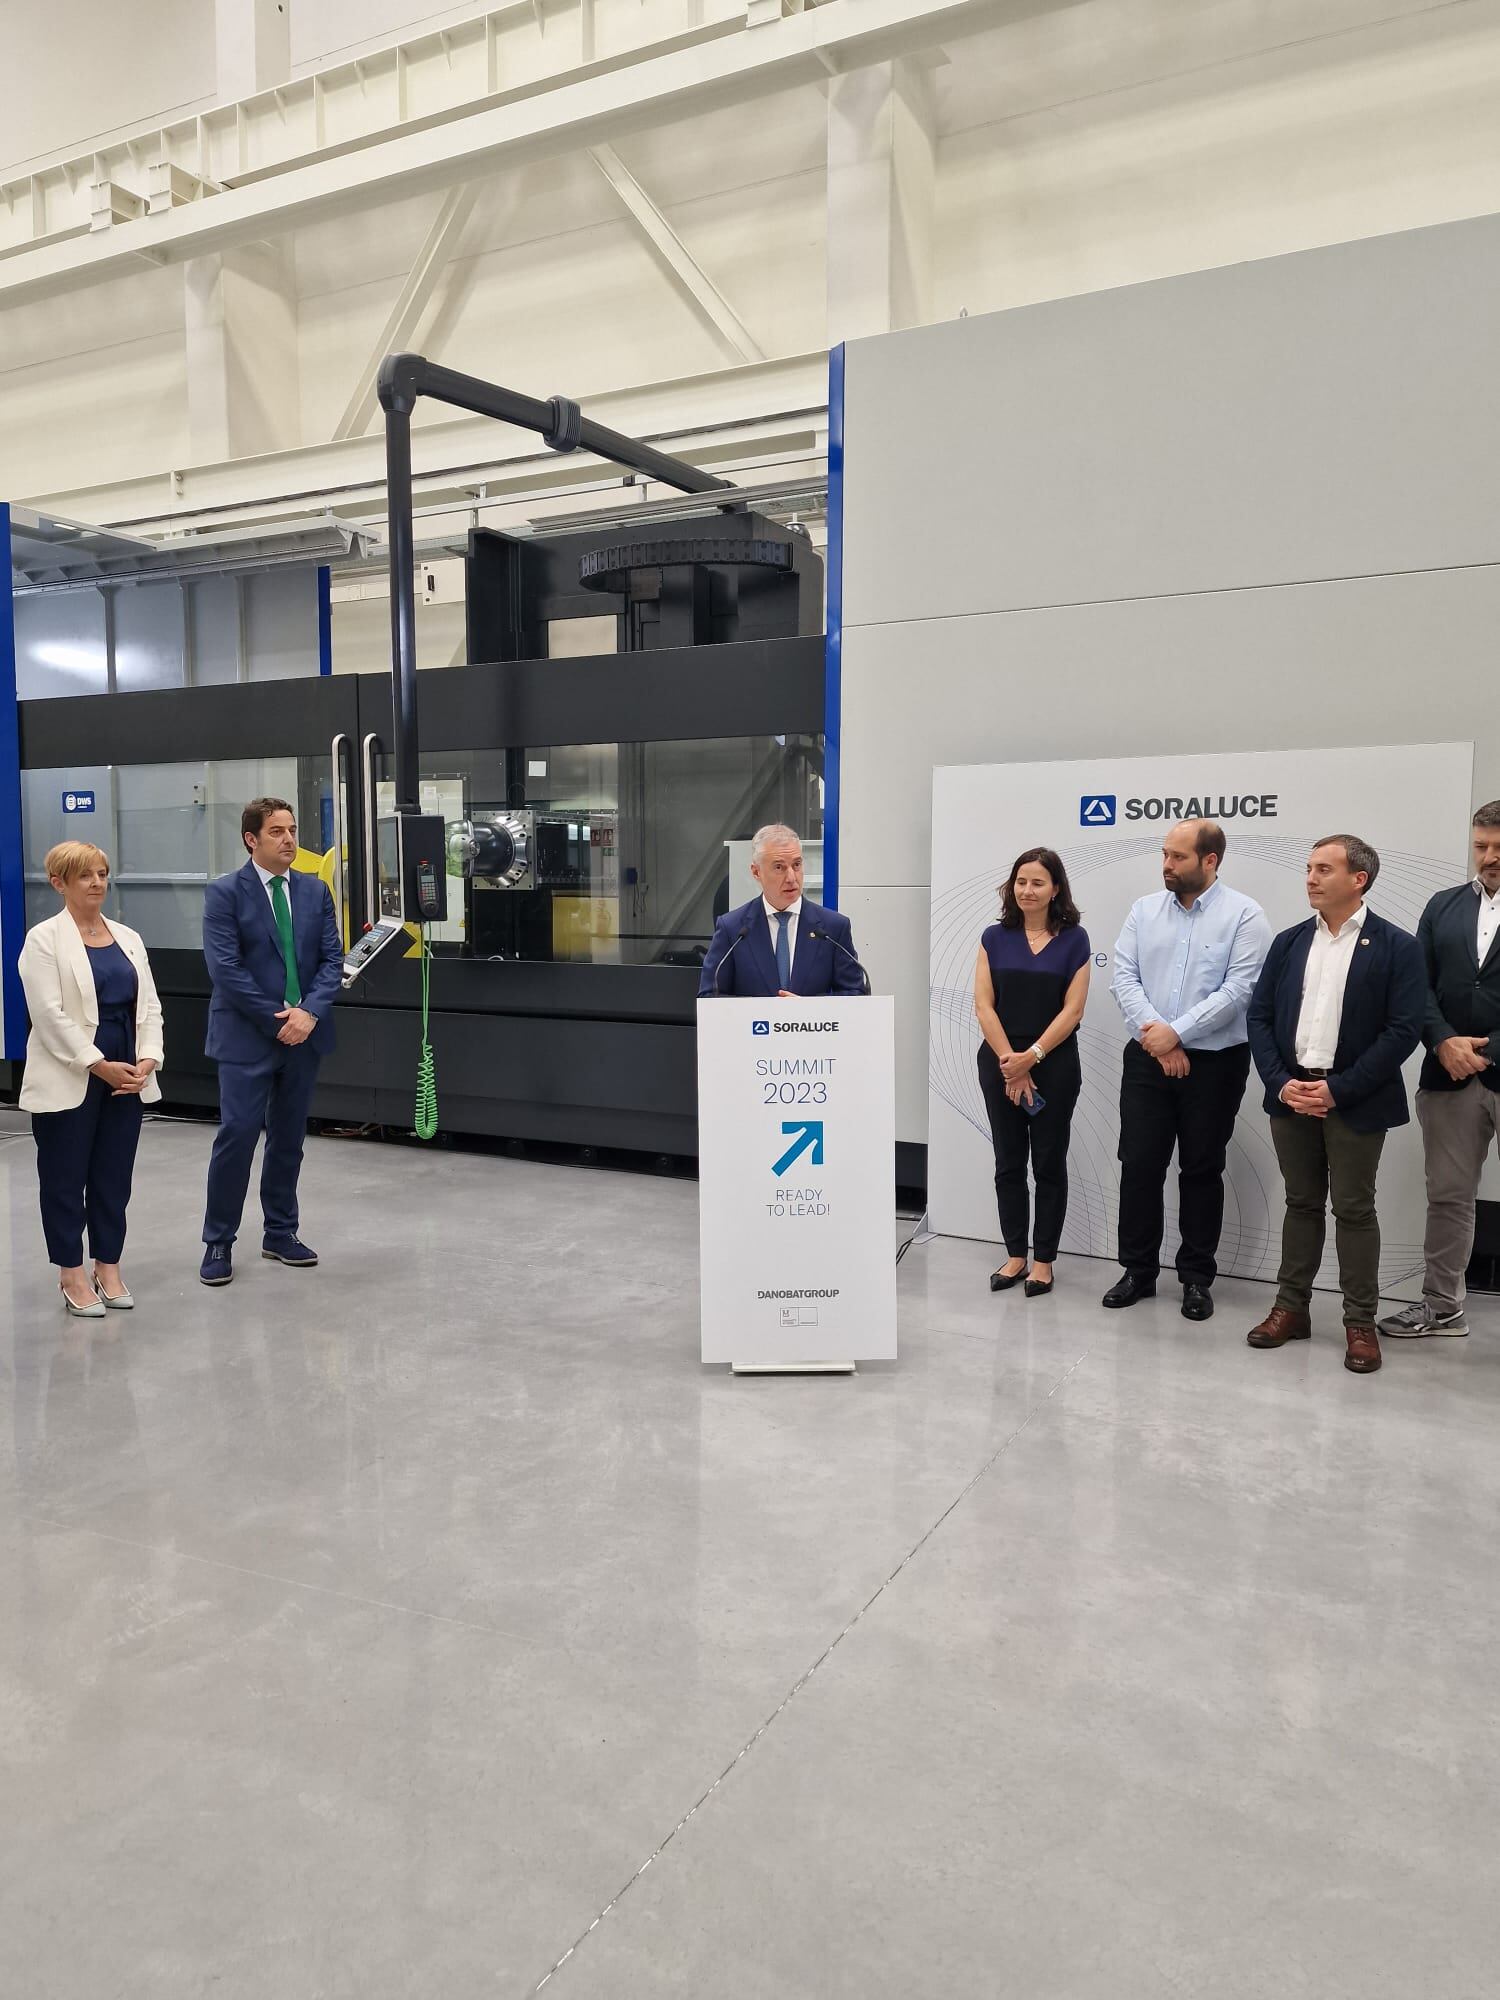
796 1182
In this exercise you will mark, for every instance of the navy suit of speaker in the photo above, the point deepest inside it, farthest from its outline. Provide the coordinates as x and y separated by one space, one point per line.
747 971
264 1085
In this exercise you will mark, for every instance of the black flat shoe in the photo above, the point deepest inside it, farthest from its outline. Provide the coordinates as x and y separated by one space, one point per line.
1127 1290
1035 1289
1197 1302
1000 1283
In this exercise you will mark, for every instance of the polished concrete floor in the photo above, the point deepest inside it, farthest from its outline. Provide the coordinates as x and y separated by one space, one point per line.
432 1625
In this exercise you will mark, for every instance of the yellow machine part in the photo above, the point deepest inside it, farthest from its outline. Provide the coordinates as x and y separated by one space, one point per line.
323 866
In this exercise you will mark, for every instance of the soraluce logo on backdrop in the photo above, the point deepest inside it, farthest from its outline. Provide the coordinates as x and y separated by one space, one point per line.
1099 808
760 1027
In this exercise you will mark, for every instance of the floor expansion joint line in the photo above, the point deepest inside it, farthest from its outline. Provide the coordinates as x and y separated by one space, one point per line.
827 1653
287 1582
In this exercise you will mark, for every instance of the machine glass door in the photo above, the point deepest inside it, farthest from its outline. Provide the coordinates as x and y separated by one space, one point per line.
169 829
609 853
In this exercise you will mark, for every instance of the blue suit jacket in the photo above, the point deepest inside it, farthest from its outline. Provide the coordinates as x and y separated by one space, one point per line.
1384 1002
243 949
751 973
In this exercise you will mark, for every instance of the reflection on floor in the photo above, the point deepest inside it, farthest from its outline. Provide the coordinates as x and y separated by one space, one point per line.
365 1632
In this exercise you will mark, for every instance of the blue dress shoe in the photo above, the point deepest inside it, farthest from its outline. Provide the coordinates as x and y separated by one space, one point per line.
288 1250
217 1267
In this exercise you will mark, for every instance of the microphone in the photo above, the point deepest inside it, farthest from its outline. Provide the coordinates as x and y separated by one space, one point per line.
740 935
839 945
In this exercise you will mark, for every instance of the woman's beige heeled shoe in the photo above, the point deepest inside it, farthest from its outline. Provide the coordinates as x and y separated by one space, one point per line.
122 1302
95 1311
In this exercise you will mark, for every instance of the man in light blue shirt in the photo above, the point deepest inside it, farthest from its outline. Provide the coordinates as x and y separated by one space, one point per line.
1186 964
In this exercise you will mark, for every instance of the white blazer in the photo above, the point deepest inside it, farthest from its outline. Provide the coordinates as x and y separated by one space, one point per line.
64 1009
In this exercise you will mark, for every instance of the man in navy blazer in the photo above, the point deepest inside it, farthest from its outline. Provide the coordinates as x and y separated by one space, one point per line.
780 943
1458 1097
1336 1011
274 956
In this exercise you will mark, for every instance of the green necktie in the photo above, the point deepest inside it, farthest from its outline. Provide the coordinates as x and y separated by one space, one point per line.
283 911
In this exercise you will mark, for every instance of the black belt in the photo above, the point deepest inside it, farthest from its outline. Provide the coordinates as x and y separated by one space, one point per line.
1312 1075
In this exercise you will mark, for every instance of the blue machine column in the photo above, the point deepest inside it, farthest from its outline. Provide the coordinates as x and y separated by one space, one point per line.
12 861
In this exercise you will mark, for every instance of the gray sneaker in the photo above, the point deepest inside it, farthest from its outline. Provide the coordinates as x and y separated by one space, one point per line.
1422 1322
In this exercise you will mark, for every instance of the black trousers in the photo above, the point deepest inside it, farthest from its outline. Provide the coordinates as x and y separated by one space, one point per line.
1195 1114
85 1160
1041 1140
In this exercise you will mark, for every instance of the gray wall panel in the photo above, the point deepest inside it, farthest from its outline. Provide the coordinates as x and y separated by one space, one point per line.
1389 659
216 630
60 644
1242 509
281 623
148 637
1326 414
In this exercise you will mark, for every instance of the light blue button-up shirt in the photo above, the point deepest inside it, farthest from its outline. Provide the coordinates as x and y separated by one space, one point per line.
1194 969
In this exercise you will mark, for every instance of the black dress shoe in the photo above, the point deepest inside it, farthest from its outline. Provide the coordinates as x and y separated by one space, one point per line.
1128 1289
1197 1302
1035 1289
1000 1283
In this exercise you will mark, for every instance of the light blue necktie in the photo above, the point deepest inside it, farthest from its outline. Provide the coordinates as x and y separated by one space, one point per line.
783 951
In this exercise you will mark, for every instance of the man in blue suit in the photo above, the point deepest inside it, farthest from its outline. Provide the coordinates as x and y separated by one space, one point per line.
780 943
1335 1013
275 960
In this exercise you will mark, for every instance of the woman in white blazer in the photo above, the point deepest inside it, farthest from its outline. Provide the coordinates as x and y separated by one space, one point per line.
91 1063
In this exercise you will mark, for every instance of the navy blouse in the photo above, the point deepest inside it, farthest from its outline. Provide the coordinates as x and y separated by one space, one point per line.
115 982
1030 987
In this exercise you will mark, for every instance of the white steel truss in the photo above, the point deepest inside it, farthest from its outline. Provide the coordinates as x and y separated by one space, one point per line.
700 290
411 305
365 132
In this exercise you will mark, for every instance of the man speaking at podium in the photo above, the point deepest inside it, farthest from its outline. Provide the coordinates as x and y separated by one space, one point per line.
779 943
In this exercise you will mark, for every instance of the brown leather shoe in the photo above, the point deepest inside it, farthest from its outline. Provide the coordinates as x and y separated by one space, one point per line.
1281 1324
1364 1349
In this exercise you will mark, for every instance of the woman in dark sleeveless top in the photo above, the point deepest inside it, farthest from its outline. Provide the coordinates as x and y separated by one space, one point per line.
1030 985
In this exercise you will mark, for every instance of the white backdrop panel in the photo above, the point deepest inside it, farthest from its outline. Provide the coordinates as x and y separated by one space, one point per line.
1411 803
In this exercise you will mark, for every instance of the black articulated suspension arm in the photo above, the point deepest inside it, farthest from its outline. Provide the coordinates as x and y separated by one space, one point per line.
558 422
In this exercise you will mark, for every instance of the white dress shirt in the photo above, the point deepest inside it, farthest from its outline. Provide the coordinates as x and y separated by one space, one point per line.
1489 918
1323 983
794 913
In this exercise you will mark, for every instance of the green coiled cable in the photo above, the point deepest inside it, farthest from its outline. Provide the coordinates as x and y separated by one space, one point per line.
427 1104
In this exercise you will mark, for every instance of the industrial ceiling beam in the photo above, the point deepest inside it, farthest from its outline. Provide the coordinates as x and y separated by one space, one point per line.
882 191
586 111
710 304
723 412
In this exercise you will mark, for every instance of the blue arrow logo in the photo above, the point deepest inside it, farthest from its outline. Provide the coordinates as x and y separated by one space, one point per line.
809 1133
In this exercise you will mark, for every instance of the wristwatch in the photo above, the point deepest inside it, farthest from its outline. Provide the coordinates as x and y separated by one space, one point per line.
1038 1051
